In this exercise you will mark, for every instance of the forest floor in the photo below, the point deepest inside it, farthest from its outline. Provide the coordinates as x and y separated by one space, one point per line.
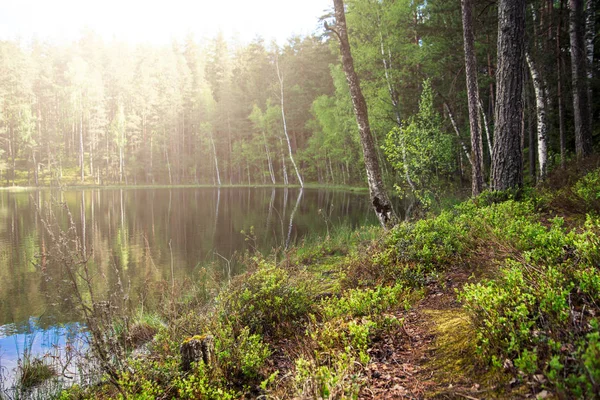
496 297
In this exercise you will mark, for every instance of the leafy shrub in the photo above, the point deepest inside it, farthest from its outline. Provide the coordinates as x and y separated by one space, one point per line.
588 189
240 356
268 301
534 312
336 380
363 302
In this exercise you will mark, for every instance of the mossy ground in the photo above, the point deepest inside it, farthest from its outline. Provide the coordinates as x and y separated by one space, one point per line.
451 306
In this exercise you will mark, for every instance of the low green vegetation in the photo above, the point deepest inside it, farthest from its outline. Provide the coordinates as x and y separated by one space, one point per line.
303 325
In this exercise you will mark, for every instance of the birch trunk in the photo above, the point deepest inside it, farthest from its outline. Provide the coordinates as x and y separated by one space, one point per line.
285 131
379 198
486 127
542 126
270 162
81 160
283 166
455 126
473 98
212 142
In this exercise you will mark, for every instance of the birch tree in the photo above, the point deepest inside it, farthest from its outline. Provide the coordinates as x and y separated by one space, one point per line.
285 130
473 96
541 99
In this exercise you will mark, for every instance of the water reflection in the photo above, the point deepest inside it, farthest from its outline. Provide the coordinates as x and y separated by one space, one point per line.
140 236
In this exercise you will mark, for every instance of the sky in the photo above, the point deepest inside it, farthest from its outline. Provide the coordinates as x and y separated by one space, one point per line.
159 22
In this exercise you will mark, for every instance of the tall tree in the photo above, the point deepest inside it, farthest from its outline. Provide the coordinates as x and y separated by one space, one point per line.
507 157
542 125
379 198
581 111
473 96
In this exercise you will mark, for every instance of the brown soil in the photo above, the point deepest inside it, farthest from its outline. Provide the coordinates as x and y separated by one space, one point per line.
431 356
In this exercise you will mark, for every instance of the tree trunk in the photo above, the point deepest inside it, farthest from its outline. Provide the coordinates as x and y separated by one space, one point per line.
269 160
486 127
283 166
81 160
379 198
559 94
285 131
542 126
473 97
583 132
216 161
507 158
455 126
590 36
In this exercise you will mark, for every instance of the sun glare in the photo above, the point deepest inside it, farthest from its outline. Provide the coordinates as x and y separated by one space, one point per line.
159 22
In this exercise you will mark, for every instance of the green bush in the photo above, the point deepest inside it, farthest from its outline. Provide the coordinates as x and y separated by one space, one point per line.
535 313
588 189
267 300
363 302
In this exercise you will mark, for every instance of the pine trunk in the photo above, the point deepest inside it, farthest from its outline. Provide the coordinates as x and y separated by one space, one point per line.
583 133
379 198
507 158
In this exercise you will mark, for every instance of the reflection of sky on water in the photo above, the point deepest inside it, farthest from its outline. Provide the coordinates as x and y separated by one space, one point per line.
55 344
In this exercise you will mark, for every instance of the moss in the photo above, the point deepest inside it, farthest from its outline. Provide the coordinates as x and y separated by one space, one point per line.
454 361
195 337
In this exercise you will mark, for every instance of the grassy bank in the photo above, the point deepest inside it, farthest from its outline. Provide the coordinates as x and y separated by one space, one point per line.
494 297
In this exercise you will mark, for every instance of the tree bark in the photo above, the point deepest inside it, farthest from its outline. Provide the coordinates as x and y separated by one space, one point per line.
590 36
212 142
473 97
507 158
285 131
559 94
542 126
379 198
583 132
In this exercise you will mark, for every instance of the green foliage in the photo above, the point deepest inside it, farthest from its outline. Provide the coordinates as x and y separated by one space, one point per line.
540 301
268 301
363 302
199 384
336 380
241 356
422 150
588 189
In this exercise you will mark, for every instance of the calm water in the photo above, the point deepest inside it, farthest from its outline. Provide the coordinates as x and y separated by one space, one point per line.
141 236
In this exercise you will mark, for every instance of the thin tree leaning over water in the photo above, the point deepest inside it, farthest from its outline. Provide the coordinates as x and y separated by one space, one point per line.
379 199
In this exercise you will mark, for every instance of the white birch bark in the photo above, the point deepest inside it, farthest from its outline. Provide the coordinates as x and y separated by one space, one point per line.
212 142
542 126
287 137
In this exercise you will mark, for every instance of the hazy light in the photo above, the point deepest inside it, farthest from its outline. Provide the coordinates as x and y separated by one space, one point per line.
159 22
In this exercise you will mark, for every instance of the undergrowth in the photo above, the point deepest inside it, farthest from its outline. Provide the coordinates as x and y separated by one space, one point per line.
300 325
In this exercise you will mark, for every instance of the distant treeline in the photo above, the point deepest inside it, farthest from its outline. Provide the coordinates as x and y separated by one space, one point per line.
212 112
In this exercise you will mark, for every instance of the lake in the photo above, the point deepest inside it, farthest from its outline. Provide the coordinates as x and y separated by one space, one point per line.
137 237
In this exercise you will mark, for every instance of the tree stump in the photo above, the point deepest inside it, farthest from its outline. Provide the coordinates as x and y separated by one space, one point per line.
197 348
